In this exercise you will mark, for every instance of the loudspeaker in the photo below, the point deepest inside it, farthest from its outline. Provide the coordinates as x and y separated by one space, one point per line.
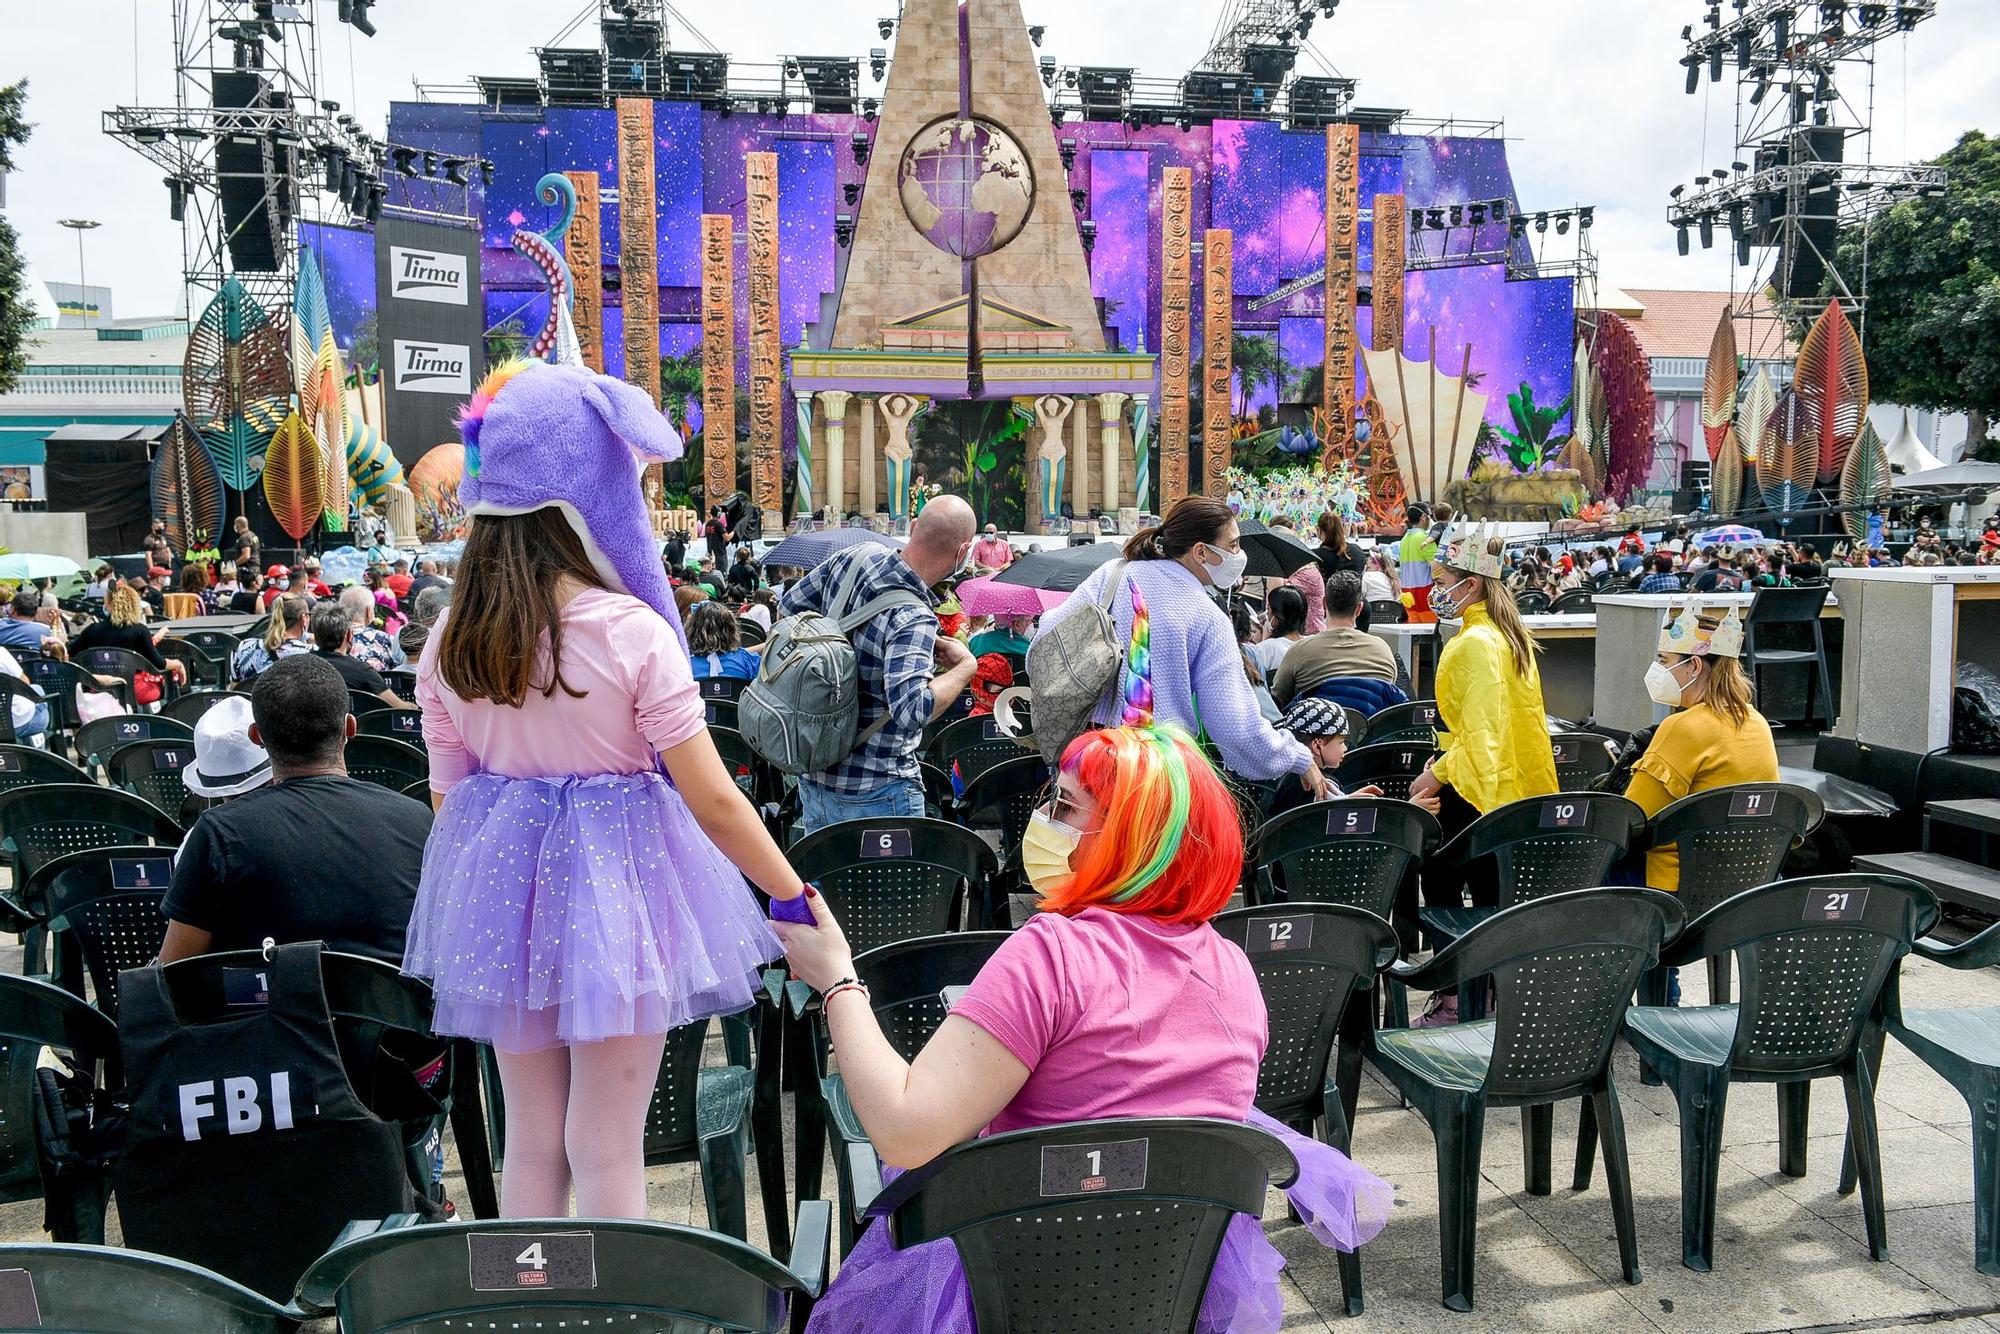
253 173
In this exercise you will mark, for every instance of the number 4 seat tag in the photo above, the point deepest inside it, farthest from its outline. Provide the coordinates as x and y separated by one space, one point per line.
510 1261
1086 1169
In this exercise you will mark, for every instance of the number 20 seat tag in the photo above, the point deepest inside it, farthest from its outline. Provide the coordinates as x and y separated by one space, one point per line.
510 1261
1086 1169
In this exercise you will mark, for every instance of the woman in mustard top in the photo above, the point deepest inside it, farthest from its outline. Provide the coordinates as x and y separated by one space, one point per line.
1713 740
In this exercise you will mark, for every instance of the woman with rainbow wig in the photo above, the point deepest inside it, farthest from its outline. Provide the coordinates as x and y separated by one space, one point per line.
1118 999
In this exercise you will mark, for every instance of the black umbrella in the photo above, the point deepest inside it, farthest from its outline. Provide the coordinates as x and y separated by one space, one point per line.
805 551
1059 569
1275 553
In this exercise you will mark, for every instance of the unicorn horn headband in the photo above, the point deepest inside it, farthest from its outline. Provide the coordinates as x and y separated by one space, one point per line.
1137 678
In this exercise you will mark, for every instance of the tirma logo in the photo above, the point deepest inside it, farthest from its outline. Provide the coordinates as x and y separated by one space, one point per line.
433 368
426 275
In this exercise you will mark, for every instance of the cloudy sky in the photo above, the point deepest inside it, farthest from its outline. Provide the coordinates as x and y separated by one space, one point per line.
1590 93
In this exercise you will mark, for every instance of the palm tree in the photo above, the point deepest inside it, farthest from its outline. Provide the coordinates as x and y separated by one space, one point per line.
681 382
1256 363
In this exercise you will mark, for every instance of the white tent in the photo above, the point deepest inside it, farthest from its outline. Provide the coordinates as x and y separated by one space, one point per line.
1907 453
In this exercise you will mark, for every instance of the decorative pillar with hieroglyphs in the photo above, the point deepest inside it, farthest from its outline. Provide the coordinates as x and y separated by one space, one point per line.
583 251
1176 298
1343 207
1386 332
1218 426
718 356
1079 461
1110 411
639 259
833 412
767 387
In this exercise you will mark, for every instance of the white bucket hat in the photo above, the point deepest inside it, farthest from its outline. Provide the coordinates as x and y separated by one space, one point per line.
227 763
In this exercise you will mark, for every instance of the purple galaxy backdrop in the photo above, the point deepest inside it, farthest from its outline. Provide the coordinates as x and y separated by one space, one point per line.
1263 182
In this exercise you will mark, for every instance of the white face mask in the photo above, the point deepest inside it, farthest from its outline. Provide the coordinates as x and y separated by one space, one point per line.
1229 571
1663 686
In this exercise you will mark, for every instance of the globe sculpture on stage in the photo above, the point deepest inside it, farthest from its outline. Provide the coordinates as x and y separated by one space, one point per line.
966 186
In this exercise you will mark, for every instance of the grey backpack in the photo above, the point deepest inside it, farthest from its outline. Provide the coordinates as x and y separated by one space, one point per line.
803 710
1073 664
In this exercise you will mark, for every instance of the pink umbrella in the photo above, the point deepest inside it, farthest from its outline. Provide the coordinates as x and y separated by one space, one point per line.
984 597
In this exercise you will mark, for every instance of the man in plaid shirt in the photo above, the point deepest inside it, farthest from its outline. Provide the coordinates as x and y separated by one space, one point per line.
895 656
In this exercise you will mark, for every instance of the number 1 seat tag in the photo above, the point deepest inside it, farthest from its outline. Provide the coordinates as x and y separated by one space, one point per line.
1274 935
1836 905
1087 1169
511 1261
243 987
1562 814
141 872
885 843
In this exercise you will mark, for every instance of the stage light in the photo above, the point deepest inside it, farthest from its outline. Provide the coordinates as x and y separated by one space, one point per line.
404 160
1562 224
1416 220
486 172
377 192
1873 15
860 143
1700 182
1823 86
1434 219
1714 61
1078 198
1692 63
454 170
149 134
1687 32
1744 46
355 12
1585 216
1707 231
851 192
1036 33
1740 168
1541 222
1457 216
334 158
886 27
1087 231
1907 17
1186 123
349 190
1720 173
1781 29
1478 212
1498 208
1801 98
878 63
868 111
843 229
1048 65
1069 78
430 163
1066 149
1681 238
1056 116
791 69
1763 85
1517 226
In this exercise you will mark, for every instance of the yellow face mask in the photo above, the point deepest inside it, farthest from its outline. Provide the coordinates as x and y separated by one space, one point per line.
1046 848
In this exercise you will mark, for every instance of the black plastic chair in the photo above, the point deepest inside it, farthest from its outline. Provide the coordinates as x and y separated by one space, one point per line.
719 713
720 687
35 1014
1390 765
404 725
702 1114
1730 839
974 745
122 663
564 1273
391 764
1539 846
1052 1238
1563 969
1814 955
40 824
58 683
26 766
906 983
1581 759
751 633
1531 603
188 708
97 739
419 791
1389 611
1576 602
360 703
1003 798
204 670
893 878
157 771
215 643
12 688
84 1289
106 904
1791 607
1310 960
1411 722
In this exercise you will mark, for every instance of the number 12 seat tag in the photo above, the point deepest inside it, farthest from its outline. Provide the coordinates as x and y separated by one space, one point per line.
1086 1169
511 1261
1273 935
246 986
1835 905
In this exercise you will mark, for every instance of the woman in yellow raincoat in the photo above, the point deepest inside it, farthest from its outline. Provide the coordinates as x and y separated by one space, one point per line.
1492 728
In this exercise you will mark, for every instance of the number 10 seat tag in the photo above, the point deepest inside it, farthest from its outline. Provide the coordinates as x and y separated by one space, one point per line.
1835 905
1562 814
1086 1169
511 1261
246 986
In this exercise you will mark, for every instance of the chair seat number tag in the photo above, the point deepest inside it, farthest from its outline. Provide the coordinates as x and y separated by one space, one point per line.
169 760
1563 814
511 1261
879 843
10 764
18 1307
1426 717
991 730
1351 820
1836 905
1086 1169
131 731
711 711
1275 935
1753 805
407 721
1565 752
141 872
244 987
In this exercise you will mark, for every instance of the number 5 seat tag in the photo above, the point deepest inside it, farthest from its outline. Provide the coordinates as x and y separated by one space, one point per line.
1086 1169
511 1261
1836 905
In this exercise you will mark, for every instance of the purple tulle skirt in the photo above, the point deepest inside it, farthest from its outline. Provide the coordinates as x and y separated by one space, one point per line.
565 910
922 1289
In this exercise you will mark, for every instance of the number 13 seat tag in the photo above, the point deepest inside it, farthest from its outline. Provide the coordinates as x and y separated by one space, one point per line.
1086 1169
511 1261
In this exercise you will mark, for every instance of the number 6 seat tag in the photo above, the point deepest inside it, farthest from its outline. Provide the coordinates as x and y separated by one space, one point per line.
246 986
1086 1169
1272 935
510 1261
1836 905
885 843
1562 814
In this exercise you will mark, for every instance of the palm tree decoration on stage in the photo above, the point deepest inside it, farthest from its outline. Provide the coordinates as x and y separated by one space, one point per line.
1255 361
1626 374
1718 418
1751 420
295 478
1864 481
1789 460
237 383
681 384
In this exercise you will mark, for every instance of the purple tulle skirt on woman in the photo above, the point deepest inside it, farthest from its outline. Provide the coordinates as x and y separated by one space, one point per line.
922 1289
564 910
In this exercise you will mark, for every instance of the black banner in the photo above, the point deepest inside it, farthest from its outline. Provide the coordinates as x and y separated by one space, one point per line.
431 324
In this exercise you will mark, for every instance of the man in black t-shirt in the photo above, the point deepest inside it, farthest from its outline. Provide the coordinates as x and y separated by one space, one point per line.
280 861
333 642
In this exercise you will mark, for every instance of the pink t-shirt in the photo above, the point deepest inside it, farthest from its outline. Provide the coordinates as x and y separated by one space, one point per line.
639 698
1116 1014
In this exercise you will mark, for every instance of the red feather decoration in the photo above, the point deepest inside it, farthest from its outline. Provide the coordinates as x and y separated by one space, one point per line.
1832 376
294 477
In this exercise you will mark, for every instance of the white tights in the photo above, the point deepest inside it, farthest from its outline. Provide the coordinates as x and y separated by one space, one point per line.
577 1115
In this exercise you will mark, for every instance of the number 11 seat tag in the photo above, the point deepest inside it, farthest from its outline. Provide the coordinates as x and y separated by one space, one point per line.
1086 1169
1835 905
511 1261
246 986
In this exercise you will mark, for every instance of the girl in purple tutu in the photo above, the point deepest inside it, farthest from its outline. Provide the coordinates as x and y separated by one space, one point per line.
1118 1000
583 888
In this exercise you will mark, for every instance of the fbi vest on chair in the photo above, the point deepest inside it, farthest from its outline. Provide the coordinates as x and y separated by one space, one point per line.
247 1150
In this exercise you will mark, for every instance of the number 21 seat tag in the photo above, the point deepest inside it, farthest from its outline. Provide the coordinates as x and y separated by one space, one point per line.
511 1261
1835 905
1086 1169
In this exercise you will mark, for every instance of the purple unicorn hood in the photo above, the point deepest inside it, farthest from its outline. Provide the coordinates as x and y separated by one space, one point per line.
538 435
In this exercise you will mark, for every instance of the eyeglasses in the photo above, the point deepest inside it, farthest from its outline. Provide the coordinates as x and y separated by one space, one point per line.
1067 812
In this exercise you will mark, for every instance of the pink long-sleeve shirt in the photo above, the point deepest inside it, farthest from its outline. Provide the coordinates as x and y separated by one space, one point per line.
640 698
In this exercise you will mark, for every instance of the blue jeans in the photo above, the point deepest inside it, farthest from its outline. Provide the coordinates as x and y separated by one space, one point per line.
822 806
35 726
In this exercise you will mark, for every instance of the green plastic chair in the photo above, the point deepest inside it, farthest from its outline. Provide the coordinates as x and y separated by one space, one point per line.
1581 759
702 1114
404 725
156 772
35 1014
564 1274
1814 955
1563 969
26 766
975 745
1416 721
96 740
1310 960
1002 798
40 824
1389 765
88 1289
1964 1047
189 707
386 762
104 910
1048 1243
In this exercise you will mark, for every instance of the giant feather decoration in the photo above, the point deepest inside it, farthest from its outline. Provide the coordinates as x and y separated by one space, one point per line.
236 380
322 402
1790 458
1832 376
1758 401
1864 480
1718 418
187 489
1725 474
294 478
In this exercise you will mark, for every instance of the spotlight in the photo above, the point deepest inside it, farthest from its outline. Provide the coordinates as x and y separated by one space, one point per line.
1700 182
878 63
149 134
791 69
377 192
404 160
1823 86
1416 219
1517 226
859 142
1562 223
1707 231
1066 147
851 192
1585 216
1457 216
356 13
886 28
1498 208
1687 32
1434 219
843 229
1692 63
430 163
1719 173
486 172
1478 212
1677 192
1036 33
334 158
454 170
1681 238
1056 116
1078 198
349 191
1048 68
868 110
1541 222
1184 123
1087 230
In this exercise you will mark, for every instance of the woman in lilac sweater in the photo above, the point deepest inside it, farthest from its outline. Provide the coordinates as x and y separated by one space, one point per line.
1198 677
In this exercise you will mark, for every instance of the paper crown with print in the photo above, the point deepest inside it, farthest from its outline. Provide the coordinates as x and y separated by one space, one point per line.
1468 548
1698 636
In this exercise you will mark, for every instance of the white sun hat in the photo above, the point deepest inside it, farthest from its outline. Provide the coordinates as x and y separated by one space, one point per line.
227 763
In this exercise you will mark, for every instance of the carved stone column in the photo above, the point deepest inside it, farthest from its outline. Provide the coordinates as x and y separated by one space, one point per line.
897 410
1045 489
833 410
1079 461
583 251
1110 412
1177 192
867 503
1343 213
767 462
1218 371
718 357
